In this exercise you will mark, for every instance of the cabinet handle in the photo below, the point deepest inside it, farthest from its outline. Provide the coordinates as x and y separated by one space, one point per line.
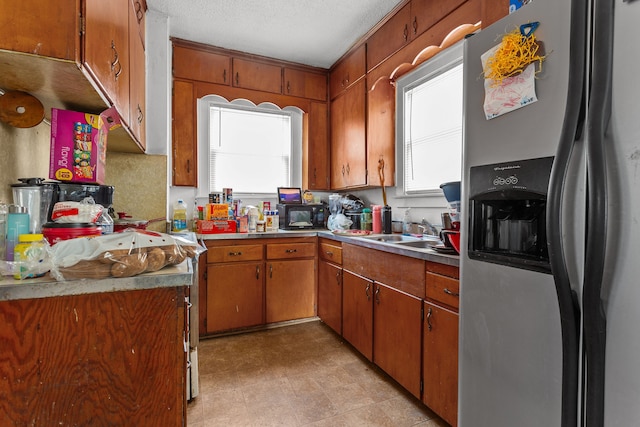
366 291
314 175
237 79
139 13
338 279
288 87
329 253
235 253
140 115
415 25
270 271
224 76
291 251
406 32
343 170
429 313
378 295
188 166
348 169
257 272
116 60
449 292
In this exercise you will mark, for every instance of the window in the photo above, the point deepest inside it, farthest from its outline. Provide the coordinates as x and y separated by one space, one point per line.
252 149
429 124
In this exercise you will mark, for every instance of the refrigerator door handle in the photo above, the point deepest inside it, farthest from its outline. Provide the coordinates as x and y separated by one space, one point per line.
571 128
594 317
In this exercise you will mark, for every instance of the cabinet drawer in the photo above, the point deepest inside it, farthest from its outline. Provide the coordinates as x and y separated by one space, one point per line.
331 253
234 253
290 250
443 289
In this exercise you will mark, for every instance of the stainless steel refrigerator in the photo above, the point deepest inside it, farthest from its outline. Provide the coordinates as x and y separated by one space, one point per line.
550 257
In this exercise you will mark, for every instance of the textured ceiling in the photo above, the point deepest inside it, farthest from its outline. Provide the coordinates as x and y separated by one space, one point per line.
312 32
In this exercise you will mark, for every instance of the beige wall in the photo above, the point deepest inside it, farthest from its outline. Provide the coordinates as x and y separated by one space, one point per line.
140 180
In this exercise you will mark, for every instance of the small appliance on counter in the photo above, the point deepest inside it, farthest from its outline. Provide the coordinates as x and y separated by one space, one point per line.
36 195
450 234
295 215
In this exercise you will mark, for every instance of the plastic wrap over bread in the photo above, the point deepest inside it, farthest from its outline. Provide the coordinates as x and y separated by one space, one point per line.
125 254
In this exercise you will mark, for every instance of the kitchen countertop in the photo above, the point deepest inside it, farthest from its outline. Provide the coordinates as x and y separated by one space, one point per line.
420 253
47 286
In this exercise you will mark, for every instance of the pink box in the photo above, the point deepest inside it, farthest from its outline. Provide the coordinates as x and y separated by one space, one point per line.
79 145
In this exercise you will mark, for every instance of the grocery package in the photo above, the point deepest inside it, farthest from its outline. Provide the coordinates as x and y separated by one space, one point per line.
79 144
124 254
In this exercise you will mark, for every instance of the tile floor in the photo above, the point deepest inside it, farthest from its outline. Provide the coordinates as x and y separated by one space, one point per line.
297 375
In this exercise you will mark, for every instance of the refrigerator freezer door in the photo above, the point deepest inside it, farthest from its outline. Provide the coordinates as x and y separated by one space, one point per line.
510 338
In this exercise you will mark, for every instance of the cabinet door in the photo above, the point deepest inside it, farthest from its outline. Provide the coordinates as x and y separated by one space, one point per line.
348 71
397 327
27 26
305 84
316 167
235 296
184 145
357 312
440 362
137 81
194 64
330 295
381 127
257 76
389 38
290 290
348 144
106 49
426 13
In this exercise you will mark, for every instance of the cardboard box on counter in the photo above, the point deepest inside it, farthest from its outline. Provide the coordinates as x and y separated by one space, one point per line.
216 211
79 145
216 227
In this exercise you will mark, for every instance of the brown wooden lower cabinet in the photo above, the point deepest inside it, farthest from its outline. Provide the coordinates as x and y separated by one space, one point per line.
235 295
111 358
397 318
440 362
330 295
290 290
357 312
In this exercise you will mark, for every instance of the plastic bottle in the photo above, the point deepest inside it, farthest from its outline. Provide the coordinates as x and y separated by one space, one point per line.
179 222
29 256
406 222
17 224
376 219
194 217
105 221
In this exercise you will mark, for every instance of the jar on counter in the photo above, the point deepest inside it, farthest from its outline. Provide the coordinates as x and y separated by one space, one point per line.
29 256
260 224
376 219
366 221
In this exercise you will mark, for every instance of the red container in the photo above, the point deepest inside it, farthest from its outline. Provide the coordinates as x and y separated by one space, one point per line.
56 232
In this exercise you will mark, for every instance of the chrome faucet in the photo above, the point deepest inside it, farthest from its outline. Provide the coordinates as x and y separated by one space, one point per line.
427 228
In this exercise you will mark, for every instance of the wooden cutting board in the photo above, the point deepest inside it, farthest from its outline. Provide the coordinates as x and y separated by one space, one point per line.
21 110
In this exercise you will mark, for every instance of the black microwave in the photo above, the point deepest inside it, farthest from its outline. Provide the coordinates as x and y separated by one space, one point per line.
298 216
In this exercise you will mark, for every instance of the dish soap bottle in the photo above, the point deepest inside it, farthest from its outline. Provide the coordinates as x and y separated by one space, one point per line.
406 222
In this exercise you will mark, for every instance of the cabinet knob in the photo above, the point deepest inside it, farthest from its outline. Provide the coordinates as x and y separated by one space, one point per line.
235 253
291 251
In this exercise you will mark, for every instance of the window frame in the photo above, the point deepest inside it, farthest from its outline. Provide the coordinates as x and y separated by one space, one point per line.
440 63
203 124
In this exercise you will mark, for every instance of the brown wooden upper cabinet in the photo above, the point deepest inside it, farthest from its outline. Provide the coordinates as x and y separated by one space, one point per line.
193 64
347 71
304 84
413 19
256 75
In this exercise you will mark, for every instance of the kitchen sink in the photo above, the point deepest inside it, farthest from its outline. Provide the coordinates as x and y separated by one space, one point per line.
424 243
392 238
